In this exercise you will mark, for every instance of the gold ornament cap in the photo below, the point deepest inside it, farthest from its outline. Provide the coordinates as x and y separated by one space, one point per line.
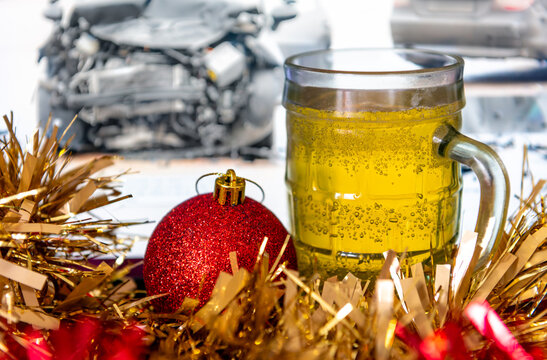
229 187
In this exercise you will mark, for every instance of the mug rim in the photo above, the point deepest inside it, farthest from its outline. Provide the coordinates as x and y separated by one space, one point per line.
458 61
306 70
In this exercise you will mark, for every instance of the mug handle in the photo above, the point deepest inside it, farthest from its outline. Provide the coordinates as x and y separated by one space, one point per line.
493 179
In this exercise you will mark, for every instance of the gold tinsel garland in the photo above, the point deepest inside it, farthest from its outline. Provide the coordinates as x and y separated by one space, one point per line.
409 312
48 236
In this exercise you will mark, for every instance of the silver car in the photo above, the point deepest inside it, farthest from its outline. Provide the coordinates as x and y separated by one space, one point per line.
198 77
490 28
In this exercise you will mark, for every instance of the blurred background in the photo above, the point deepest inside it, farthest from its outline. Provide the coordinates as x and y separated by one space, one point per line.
184 88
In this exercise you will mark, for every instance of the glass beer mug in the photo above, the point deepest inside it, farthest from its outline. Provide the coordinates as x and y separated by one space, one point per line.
373 160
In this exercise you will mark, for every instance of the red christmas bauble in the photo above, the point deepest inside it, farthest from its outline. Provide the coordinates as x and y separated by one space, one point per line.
191 245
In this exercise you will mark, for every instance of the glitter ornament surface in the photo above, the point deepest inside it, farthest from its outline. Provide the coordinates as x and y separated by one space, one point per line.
191 245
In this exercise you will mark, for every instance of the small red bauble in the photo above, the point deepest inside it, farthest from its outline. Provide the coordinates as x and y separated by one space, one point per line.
191 244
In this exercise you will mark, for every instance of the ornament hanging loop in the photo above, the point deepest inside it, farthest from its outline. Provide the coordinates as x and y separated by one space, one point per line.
229 187
259 188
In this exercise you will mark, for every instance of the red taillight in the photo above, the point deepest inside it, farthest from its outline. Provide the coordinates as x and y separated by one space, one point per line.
514 5
401 3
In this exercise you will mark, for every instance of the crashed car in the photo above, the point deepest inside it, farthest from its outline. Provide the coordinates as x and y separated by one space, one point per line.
201 77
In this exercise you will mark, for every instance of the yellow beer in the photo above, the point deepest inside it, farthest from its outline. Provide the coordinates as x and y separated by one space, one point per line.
365 182
373 154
